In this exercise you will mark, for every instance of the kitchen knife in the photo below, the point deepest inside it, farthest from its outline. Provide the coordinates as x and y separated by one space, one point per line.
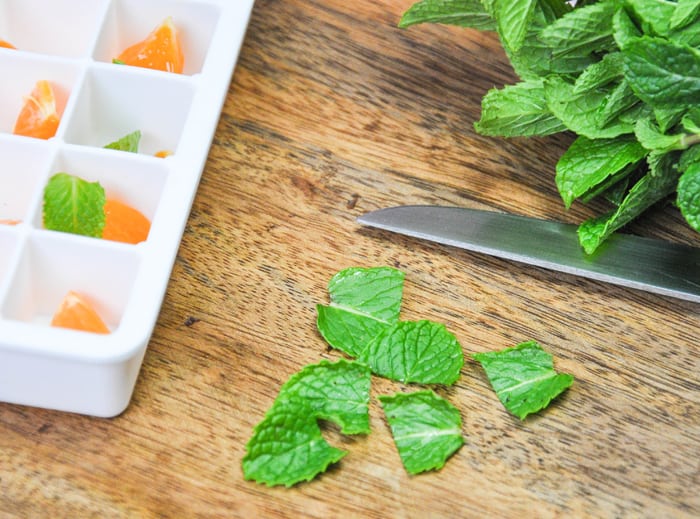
657 266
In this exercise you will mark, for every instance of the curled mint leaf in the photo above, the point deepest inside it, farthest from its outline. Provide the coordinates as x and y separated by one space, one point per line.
657 184
74 205
129 142
463 13
335 391
426 429
287 447
364 301
415 351
523 377
513 19
588 163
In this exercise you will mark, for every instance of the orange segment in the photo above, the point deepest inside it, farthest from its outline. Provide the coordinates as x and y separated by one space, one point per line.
160 50
163 153
124 223
77 313
9 221
6 44
38 117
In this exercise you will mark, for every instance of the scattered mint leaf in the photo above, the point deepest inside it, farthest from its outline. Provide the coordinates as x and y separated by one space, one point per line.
464 13
116 61
337 391
589 162
415 351
523 377
517 110
74 205
129 142
691 121
656 14
426 429
624 28
662 73
364 301
689 195
287 447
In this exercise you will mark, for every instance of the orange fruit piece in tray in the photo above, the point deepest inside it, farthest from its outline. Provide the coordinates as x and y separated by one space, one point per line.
6 44
124 223
38 117
76 312
160 50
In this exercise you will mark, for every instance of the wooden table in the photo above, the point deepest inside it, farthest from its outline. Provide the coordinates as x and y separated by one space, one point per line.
332 112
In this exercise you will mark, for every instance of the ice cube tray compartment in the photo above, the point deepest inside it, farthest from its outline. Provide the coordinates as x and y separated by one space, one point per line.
100 102
59 28
115 100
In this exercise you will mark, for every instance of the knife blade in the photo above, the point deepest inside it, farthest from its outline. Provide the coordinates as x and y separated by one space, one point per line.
661 267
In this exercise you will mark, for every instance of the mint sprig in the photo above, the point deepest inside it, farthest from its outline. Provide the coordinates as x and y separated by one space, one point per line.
596 68
74 205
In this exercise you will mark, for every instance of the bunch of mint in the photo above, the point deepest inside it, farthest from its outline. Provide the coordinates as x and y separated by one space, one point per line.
623 75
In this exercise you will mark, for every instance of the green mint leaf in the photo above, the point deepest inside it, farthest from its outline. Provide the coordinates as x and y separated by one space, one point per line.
415 351
689 195
686 12
656 14
375 291
335 391
662 73
287 447
649 136
347 331
616 102
624 28
129 142
116 61
426 429
364 301
463 13
658 183
581 32
688 158
513 19
691 121
589 162
74 205
580 112
668 117
600 74
517 110
523 377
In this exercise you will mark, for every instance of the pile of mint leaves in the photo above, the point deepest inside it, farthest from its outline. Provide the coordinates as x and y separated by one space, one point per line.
622 75
363 322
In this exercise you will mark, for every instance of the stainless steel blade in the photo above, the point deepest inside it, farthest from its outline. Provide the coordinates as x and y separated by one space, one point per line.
653 265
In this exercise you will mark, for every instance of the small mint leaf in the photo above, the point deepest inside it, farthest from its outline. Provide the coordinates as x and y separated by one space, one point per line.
426 429
415 351
74 205
523 377
129 142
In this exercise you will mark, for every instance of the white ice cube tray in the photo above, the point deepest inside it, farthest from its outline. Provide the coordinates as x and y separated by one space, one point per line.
72 43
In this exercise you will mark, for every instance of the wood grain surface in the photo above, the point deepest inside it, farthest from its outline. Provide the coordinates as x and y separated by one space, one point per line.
334 111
